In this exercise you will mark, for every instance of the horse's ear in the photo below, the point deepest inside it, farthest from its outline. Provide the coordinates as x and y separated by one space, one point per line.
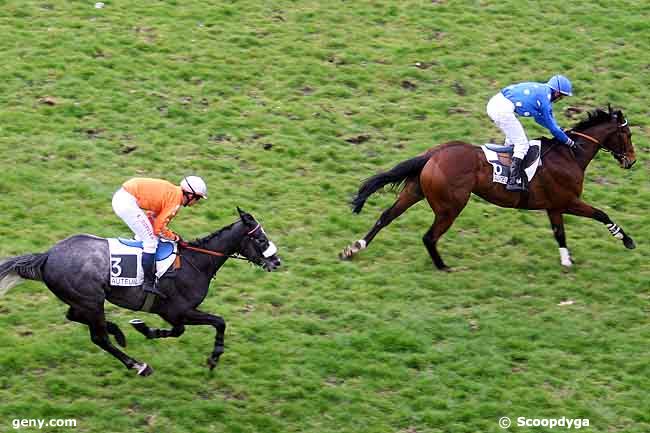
609 107
240 212
620 117
245 216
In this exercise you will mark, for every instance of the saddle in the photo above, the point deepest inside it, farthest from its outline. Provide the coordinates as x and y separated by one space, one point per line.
501 158
126 266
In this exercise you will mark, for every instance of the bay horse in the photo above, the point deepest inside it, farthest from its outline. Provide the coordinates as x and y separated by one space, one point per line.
77 270
448 174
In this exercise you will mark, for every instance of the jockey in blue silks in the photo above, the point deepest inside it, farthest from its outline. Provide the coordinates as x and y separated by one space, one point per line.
528 100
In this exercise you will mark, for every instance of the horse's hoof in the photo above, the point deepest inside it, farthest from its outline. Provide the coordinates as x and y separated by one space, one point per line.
629 243
212 362
346 254
566 269
351 250
443 268
143 369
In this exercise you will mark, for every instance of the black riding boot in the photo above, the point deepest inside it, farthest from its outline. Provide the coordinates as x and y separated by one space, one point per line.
149 269
517 179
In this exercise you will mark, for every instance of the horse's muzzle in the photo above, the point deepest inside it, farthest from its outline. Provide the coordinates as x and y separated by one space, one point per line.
628 163
272 263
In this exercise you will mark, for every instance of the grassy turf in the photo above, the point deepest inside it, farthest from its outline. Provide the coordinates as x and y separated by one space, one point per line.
266 100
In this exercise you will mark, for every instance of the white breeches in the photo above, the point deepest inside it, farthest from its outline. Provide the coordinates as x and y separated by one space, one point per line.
126 207
502 111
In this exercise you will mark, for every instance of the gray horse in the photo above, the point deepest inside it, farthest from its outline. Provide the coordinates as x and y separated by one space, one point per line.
76 270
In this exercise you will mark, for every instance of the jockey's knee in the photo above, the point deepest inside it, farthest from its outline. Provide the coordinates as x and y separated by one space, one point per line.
520 150
149 245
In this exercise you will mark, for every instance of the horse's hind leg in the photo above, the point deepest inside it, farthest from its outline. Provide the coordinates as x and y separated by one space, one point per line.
581 208
440 225
111 327
410 195
447 200
99 335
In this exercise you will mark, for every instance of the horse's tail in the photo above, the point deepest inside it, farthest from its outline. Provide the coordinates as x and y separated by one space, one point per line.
16 269
394 176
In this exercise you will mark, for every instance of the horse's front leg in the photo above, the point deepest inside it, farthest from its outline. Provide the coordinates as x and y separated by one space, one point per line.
176 331
196 317
580 208
557 224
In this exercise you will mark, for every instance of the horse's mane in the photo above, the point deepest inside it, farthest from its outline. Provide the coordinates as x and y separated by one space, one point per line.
200 242
596 117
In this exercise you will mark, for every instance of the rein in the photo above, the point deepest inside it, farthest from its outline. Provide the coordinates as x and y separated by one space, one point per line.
588 137
210 252
187 246
218 253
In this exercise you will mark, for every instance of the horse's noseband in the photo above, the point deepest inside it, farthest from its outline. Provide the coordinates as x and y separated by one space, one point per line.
255 229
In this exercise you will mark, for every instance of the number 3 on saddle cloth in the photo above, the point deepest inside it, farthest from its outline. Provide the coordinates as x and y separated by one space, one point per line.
501 156
126 265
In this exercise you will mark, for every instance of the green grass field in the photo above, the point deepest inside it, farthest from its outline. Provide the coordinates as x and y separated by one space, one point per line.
266 100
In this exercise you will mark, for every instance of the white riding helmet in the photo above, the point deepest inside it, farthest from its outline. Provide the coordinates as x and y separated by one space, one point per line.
194 185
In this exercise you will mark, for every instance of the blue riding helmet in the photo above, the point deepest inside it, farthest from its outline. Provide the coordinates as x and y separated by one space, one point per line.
561 84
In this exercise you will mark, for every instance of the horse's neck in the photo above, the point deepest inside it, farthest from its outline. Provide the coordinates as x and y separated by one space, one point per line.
228 240
589 148
227 243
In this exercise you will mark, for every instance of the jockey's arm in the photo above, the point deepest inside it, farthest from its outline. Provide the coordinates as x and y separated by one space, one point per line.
546 119
160 224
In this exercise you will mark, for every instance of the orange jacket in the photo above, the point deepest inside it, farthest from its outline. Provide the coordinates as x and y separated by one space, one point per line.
160 198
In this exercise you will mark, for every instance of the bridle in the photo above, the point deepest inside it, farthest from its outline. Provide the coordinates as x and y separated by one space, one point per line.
619 156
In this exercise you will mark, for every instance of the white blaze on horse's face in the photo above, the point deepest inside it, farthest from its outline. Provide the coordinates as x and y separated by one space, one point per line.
270 251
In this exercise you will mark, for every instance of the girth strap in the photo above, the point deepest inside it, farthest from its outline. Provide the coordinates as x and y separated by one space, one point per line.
148 302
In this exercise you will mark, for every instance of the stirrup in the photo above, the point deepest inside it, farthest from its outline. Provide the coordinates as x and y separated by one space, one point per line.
517 186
